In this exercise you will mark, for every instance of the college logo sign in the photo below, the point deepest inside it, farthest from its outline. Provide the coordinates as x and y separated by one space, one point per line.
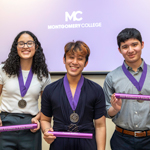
74 16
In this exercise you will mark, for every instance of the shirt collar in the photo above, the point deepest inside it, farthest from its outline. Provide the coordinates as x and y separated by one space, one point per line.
140 68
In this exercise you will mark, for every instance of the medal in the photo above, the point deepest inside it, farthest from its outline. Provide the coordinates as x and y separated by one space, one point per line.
74 117
22 103
139 84
24 88
140 101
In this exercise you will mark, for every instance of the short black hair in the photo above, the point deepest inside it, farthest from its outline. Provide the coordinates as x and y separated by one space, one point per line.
128 33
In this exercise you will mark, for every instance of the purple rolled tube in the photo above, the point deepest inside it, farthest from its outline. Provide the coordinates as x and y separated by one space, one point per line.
18 127
72 134
133 96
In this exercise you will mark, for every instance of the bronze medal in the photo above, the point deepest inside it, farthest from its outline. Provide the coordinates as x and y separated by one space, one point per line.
24 87
73 101
74 117
22 103
138 85
140 101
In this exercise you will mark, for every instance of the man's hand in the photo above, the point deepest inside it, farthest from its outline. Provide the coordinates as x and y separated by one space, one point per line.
49 137
116 103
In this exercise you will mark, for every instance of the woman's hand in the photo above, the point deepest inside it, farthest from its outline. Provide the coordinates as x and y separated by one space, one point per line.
34 120
1 122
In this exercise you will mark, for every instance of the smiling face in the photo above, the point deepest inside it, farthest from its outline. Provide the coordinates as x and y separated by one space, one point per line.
74 64
26 53
75 58
131 50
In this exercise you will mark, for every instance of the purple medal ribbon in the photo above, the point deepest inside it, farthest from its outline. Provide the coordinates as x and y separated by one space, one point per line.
24 88
137 84
73 101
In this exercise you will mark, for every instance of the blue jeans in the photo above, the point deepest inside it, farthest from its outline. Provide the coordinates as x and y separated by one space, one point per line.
19 140
120 141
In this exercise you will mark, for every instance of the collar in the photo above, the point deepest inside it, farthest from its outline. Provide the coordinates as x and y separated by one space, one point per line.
140 68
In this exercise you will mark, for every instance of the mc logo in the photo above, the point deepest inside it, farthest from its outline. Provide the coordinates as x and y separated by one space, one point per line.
73 16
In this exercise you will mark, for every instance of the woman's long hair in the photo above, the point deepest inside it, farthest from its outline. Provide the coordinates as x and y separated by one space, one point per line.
12 63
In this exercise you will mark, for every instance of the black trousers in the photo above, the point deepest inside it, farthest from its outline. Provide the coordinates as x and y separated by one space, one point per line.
120 141
19 140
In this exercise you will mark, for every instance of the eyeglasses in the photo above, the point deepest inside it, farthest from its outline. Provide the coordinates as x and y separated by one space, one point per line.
22 44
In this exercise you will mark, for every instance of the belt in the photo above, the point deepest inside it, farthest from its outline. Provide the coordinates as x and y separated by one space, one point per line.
16 114
133 133
88 127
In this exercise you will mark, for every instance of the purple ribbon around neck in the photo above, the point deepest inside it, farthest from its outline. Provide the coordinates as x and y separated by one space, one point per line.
24 88
137 84
73 101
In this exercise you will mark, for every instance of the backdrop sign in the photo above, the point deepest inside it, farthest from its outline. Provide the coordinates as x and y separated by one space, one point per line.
56 22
